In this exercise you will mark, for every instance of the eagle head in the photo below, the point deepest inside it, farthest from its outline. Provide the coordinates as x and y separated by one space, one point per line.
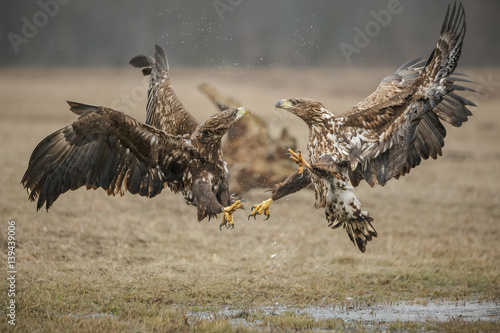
216 126
306 109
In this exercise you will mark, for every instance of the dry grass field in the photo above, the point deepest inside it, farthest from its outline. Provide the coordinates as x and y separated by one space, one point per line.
110 264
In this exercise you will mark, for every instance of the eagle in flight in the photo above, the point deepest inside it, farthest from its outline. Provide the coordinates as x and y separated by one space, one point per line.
382 137
166 112
109 149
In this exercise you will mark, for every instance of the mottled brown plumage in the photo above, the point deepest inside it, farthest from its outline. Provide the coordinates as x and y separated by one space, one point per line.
164 109
109 149
246 142
383 136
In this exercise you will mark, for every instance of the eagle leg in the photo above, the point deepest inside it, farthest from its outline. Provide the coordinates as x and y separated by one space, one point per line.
263 207
297 158
227 221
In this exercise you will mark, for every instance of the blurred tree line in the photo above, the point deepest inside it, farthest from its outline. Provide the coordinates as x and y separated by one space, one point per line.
241 32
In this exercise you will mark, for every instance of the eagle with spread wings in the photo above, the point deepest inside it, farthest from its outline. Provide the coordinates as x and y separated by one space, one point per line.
245 141
380 138
109 149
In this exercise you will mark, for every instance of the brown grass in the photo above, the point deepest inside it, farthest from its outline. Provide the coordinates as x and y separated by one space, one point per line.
148 263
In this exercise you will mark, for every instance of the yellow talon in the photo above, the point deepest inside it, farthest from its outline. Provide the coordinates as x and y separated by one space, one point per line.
263 207
297 158
227 221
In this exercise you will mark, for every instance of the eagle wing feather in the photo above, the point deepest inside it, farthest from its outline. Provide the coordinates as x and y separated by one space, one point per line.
108 149
164 109
398 125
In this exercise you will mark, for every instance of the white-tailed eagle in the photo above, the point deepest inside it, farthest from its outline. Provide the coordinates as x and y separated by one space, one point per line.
109 149
246 141
382 137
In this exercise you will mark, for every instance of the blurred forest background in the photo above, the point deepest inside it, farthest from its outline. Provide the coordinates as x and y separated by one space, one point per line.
244 33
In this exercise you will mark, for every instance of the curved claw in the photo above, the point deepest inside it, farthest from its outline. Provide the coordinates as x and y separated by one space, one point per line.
253 214
263 207
227 220
297 158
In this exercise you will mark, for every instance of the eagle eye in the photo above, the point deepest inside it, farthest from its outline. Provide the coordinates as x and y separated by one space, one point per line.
294 101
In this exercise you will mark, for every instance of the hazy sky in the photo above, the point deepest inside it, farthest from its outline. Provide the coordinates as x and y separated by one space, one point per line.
242 32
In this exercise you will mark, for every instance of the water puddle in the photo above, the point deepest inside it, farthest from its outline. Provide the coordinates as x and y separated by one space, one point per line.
371 315
442 311
92 316
411 312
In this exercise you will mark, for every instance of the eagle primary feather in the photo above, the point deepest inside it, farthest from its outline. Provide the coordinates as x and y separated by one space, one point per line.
382 137
164 109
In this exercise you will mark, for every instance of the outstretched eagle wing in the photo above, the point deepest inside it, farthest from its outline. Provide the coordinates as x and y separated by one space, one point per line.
399 124
105 148
164 109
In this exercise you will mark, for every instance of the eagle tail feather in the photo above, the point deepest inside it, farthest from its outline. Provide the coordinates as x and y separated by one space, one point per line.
343 209
360 229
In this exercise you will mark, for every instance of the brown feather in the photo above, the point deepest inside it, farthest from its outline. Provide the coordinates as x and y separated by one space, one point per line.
108 149
165 111
388 133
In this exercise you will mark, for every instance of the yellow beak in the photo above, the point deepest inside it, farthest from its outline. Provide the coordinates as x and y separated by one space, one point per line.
241 112
283 104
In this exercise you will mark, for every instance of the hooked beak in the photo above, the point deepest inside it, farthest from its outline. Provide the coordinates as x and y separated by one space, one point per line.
241 112
283 104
